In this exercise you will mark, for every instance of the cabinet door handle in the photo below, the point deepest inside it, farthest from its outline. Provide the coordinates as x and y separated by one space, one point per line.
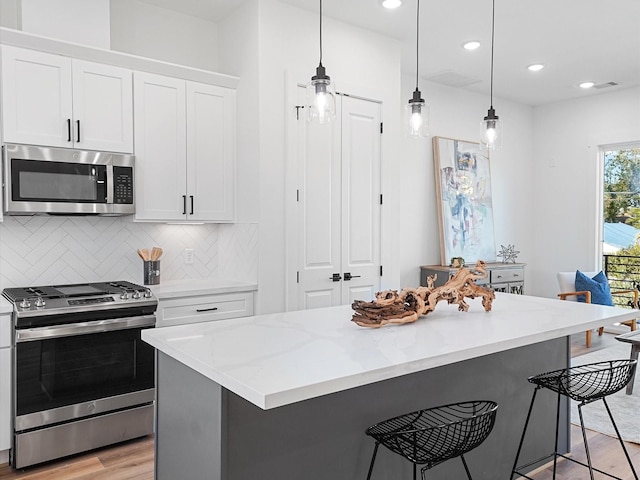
191 204
184 204
78 128
200 310
68 129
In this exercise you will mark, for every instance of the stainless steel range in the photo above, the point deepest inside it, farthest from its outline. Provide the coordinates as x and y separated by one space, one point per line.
82 376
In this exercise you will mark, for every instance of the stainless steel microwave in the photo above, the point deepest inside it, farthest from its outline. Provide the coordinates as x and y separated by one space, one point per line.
47 180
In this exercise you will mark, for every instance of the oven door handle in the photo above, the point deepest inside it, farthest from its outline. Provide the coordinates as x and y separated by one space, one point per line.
84 328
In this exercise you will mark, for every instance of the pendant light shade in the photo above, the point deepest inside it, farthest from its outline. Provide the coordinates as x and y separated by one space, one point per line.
417 111
321 95
491 130
491 126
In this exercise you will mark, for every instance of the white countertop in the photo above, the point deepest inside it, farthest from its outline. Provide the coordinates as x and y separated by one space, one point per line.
196 287
278 359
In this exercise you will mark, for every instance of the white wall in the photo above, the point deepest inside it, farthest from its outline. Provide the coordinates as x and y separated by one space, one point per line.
149 31
79 21
456 113
565 207
238 56
10 12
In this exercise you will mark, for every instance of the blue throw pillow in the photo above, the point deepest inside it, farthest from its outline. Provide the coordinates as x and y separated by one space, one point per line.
598 286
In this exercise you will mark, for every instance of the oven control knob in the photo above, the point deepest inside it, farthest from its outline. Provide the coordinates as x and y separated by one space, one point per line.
40 302
25 303
124 296
136 295
147 293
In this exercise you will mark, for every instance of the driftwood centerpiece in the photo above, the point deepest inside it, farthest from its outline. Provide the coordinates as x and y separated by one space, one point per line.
390 306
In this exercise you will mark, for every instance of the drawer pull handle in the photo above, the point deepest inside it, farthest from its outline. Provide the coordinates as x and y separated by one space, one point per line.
199 310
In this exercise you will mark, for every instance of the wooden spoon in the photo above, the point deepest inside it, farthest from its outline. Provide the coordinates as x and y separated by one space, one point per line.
144 254
156 253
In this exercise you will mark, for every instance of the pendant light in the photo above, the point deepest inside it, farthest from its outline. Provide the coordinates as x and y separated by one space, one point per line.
321 95
417 111
491 127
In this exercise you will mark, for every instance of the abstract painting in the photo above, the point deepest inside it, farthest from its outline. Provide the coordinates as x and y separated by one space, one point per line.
463 185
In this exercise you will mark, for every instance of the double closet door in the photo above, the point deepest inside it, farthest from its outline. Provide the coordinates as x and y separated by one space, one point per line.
339 205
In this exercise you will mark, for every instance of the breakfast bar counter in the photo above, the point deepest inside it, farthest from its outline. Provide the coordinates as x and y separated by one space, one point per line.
289 395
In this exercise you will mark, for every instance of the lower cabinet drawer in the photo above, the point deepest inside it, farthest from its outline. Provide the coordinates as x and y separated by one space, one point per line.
185 310
507 275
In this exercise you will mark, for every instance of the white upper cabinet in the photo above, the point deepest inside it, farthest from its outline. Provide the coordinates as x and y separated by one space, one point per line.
185 150
210 152
56 101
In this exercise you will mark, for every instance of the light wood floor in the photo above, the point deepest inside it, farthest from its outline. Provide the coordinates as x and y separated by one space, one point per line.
131 460
134 460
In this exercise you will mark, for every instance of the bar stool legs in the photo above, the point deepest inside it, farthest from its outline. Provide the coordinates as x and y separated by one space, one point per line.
585 384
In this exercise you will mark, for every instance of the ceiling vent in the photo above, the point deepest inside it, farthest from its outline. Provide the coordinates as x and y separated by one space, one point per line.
606 85
453 79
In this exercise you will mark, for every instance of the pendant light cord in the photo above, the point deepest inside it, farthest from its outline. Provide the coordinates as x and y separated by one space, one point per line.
417 39
320 32
493 22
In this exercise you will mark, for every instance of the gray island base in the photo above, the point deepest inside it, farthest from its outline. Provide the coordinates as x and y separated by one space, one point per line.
288 396
204 431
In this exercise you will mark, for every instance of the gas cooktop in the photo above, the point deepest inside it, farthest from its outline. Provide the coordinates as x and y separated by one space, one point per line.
85 296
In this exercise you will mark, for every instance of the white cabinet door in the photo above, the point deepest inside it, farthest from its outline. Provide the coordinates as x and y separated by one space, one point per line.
210 152
56 101
160 147
102 107
5 398
36 98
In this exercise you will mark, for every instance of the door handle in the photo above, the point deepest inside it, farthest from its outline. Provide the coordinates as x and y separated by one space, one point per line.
348 276
191 204
78 125
184 204
335 277
68 129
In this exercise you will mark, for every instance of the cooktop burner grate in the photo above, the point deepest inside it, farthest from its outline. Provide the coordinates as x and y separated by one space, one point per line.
71 290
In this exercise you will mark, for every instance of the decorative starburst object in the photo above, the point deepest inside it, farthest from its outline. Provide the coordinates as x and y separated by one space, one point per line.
508 253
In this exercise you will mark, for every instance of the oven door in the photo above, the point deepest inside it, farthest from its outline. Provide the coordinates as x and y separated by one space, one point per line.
72 371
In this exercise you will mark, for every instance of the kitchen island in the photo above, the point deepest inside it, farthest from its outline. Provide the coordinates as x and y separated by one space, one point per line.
288 396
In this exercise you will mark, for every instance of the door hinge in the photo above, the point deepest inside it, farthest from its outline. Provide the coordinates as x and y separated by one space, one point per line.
381 127
380 270
298 107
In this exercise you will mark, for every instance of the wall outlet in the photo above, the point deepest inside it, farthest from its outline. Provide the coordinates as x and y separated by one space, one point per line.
188 256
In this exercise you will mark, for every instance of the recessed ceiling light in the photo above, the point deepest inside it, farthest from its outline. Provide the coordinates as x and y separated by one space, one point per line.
587 84
391 3
471 45
536 67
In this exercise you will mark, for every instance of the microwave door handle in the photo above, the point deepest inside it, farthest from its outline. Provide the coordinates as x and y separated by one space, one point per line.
110 184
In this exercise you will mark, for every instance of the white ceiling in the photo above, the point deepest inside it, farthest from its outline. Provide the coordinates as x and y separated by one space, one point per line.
577 40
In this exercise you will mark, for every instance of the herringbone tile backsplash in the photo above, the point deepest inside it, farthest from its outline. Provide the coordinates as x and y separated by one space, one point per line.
47 250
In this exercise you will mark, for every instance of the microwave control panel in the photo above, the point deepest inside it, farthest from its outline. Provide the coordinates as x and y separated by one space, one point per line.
122 185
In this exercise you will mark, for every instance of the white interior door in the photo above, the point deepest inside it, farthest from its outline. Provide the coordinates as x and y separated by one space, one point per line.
338 205
361 202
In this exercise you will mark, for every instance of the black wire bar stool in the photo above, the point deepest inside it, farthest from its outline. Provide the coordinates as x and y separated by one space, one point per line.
432 436
584 384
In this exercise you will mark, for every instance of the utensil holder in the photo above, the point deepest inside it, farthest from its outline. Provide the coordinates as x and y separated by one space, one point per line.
151 272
